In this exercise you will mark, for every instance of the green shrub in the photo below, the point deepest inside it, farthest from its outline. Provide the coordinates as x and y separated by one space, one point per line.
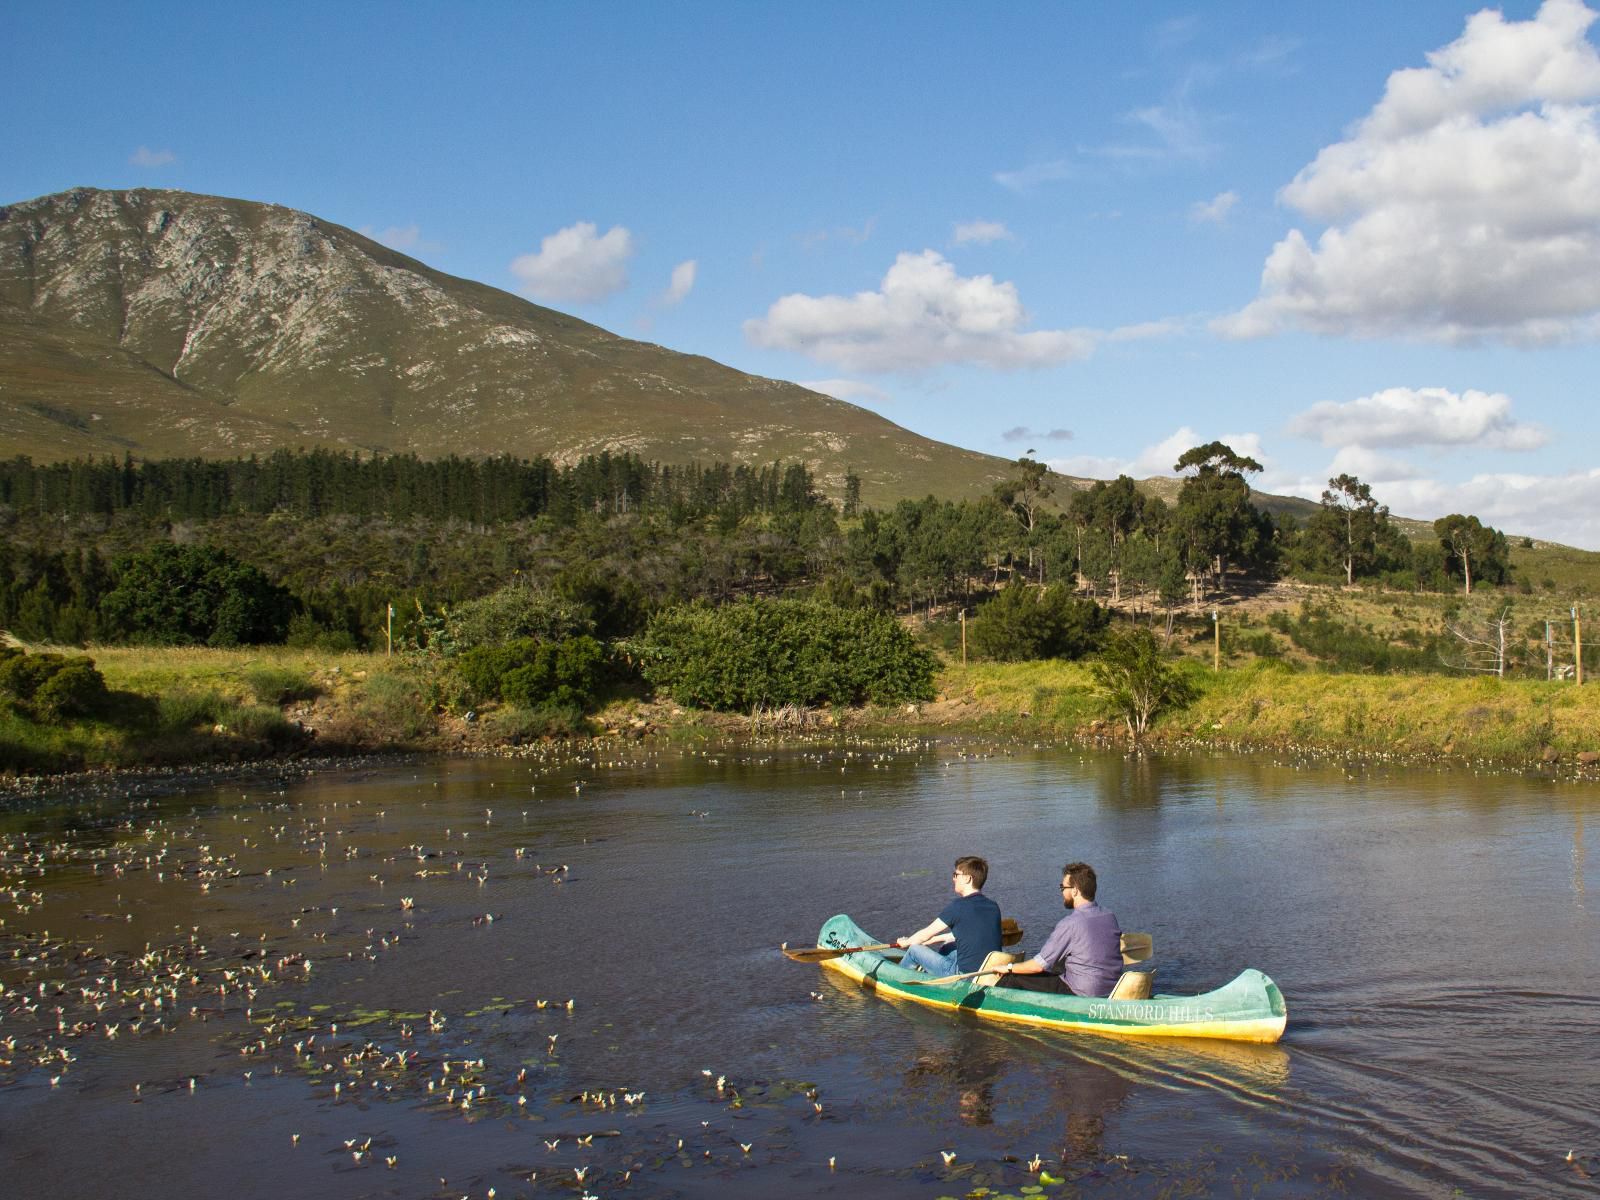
777 652
279 685
263 723
1135 679
1350 648
518 610
395 708
189 595
483 668
528 674
180 711
306 633
21 674
1024 622
75 690
564 674
526 724
53 687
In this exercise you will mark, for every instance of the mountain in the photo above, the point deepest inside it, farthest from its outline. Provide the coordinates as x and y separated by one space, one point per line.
163 324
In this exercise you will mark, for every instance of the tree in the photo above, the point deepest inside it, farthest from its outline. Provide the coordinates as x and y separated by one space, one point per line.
1136 681
1025 495
1470 543
1482 649
1348 507
183 595
1024 622
1215 523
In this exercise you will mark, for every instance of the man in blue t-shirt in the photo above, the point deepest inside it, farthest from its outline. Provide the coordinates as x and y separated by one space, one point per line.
972 919
1083 954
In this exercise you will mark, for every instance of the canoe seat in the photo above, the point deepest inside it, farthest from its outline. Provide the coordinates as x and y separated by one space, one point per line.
1133 985
991 965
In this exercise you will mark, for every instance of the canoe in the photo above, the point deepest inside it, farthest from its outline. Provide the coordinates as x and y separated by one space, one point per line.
1250 1008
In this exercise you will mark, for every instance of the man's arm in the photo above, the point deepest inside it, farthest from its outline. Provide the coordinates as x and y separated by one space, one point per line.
924 935
1032 966
1052 955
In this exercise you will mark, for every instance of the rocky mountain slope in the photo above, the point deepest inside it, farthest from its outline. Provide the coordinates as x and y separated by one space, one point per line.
164 323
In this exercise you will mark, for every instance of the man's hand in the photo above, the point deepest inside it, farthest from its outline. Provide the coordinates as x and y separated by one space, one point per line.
902 942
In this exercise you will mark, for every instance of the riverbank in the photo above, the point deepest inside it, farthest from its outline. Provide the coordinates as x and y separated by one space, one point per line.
203 709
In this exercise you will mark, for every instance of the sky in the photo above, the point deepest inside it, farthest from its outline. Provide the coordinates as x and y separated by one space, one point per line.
1359 238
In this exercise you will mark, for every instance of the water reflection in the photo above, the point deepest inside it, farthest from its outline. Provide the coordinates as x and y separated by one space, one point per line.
967 1064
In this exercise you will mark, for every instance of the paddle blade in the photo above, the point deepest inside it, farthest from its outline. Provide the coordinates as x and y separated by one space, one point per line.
1136 947
816 954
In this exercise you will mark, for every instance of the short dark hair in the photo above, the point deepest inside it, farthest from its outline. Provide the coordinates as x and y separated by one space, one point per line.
1081 876
975 869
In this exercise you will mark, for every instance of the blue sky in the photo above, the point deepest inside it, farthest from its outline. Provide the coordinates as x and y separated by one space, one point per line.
1358 238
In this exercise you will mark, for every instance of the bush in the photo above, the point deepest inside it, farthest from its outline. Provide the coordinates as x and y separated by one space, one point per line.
1022 622
1350 648
563 674
76 690
279 685
53 687
531 674
776 652
395 708
522 724
518 610
180 711
264 723
483 667
22 674
1136 681
306 633
188 595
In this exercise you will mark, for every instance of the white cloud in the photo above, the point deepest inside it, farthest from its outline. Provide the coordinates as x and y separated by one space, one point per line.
923 315
146 157
683 276
577 264
1158 458
1465 206
1030 176
981 232
1215 210
1560 508
1418 417
849 390
1368 466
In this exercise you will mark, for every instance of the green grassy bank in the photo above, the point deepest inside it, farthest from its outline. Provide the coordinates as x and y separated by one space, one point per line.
196 706
1265 704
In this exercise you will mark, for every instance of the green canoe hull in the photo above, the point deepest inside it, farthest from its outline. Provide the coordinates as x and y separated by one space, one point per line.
1248 1009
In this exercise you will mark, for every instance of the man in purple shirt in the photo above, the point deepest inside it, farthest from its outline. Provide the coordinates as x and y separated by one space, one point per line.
1083 955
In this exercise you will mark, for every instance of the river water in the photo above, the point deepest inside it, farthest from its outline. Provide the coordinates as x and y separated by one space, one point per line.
357 984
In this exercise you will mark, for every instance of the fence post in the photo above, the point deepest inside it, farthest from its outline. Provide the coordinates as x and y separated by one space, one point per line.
1577 645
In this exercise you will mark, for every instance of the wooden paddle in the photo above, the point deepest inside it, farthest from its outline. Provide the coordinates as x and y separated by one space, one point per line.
1010 935
815 954
1136 947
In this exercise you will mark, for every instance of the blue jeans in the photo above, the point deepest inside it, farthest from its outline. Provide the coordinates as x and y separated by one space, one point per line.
931 961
